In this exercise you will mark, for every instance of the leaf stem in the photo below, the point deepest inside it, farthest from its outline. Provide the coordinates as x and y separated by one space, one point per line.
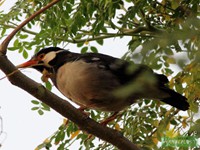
4 44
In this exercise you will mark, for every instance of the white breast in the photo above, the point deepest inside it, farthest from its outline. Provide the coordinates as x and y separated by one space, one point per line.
82 82
68 79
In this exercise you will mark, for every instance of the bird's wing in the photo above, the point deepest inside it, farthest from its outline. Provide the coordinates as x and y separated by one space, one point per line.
125 71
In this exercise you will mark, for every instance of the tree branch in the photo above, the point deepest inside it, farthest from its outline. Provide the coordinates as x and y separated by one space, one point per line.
65 108
125 32
55 102
4 44
23 29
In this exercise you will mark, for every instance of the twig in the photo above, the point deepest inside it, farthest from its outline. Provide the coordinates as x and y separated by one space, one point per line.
23 29
9 74
125 32
4 44
164 6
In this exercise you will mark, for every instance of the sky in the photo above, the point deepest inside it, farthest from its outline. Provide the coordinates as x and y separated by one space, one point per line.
24 128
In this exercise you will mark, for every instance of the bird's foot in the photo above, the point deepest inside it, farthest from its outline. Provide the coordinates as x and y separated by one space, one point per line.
111 118
105 122
88 137
82 109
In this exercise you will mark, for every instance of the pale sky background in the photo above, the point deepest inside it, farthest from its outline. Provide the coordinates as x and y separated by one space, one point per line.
26 129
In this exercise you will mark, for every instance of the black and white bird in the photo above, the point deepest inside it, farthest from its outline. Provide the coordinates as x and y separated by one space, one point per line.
102 82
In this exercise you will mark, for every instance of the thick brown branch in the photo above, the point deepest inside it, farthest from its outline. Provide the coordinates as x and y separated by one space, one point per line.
64 108
4 45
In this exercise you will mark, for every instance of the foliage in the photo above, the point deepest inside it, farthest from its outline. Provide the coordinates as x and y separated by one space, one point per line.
164 35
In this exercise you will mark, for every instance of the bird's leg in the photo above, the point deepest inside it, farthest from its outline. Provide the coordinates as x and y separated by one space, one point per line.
82 108
105 122
111 118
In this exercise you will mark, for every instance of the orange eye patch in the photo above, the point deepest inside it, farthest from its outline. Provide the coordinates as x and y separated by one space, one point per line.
41 56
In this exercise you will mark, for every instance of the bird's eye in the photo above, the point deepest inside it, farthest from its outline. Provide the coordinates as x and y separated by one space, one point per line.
41 56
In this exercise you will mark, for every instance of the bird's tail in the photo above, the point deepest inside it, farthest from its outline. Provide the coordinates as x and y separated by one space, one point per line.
175 99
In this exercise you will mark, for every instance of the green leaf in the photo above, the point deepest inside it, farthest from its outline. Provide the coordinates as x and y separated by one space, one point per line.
100 42
197 121
62 135
194 107
23 36
20 49
29 25
45 107
94 49
168 51
104 30
16 43
35 108
195 128
3 32
40 112
35 102
61 147
174 122
84 50
13 48
57 139
168 71
25 54
134 44
80 44
48 85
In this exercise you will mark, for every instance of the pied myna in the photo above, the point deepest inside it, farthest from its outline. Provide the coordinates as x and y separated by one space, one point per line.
102 82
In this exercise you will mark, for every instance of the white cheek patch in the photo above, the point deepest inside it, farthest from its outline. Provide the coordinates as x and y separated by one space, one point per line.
48 57
95 59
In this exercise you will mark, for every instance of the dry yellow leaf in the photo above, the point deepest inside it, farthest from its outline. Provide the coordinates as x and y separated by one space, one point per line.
185 117
167 113
46 140
65 121
74 134
117 127
167 17
171 60
171 133
86 42
155 140
1 2
155 123
184 123
56 143
168 126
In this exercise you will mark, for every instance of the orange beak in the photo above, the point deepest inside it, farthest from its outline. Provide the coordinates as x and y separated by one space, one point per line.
29 63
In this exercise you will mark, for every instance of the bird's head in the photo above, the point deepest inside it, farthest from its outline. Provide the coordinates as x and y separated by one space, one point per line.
44 59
